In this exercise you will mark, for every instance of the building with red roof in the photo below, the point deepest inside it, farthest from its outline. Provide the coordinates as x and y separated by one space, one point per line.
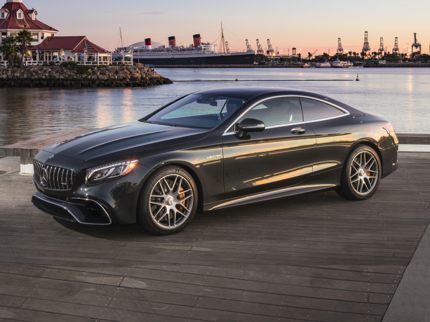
71 48
48 48
15 16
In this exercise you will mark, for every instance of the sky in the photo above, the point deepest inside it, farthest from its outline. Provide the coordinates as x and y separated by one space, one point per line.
307 25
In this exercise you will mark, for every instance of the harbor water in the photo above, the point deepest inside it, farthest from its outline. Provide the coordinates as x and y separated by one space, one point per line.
400 95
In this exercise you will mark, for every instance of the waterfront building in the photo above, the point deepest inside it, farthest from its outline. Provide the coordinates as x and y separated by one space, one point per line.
71 49
15 16
47 47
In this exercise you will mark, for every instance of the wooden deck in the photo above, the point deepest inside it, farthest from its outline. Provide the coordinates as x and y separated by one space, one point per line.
309 258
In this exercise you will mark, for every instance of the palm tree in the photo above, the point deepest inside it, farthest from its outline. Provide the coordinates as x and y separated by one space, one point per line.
23 40
9 49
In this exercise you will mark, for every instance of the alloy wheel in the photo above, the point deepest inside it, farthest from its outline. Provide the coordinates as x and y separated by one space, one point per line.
364 173
171 201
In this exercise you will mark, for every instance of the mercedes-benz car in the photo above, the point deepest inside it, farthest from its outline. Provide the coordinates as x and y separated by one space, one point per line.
211 150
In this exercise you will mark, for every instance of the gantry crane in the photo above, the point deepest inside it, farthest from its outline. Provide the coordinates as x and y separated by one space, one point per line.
366 44
248 45
416 46
396 49
381 49
260 50
339 46
270 50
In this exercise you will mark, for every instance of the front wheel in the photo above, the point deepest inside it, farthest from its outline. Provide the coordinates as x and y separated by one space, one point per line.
361 175
168 201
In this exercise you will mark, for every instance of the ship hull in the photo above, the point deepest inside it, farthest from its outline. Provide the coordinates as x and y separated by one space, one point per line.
203 60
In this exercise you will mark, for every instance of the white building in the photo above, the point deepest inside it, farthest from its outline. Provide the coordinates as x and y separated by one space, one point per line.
71 49
15 16
48 48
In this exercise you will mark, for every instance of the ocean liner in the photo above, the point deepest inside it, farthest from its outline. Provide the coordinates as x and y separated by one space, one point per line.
197 54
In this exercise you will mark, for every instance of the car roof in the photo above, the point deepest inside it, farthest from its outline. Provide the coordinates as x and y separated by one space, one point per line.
255 92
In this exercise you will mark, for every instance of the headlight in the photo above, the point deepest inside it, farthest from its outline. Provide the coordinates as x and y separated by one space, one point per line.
110 171
390 130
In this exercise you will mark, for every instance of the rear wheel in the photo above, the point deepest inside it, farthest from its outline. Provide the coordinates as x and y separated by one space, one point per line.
361 175
168 201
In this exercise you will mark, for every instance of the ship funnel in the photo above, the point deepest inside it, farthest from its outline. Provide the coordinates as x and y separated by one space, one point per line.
172 41
148 42
197 40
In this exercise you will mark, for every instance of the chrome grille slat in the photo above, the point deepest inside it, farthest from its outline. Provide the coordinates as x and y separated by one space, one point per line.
58 181
48 170
55 178
62 177
51 177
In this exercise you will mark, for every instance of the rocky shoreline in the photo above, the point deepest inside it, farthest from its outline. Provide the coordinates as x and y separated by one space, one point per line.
76 76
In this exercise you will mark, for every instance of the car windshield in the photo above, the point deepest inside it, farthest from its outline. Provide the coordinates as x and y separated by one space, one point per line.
204 111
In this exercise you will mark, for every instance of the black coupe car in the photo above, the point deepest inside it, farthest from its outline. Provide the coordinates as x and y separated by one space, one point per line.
211 150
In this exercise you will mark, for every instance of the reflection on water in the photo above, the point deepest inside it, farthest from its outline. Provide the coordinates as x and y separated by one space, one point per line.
400 95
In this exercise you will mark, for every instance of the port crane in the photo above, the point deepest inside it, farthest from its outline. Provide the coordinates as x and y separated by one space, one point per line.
260 50
381 49
366 45
339 46
416 46
396 49
270 50
248 45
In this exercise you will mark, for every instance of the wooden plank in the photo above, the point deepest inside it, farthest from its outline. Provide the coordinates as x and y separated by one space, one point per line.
20 314
309 258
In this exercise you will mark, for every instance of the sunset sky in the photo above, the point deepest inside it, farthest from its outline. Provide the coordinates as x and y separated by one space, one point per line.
307 25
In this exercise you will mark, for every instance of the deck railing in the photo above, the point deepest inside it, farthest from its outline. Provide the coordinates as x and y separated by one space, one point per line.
122 63
33 63
4 63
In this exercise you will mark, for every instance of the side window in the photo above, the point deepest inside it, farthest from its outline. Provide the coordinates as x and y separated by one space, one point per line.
314 110
277 111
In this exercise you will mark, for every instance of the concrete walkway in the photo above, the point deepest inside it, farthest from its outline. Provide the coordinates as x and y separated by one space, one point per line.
310 258
412 299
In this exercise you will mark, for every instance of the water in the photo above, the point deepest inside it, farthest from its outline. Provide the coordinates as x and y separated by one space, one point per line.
400 95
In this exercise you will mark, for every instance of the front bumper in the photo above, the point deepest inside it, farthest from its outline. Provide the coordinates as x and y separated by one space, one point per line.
79 210
390 161
111 202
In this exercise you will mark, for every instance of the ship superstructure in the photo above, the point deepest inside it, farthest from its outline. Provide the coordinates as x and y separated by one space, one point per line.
198 53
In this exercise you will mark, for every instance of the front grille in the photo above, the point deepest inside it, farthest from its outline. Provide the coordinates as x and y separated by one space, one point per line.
53 178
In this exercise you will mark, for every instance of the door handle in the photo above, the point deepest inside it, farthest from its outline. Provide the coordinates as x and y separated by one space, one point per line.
298 130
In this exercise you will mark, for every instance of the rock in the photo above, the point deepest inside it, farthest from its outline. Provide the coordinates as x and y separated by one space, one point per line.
71 75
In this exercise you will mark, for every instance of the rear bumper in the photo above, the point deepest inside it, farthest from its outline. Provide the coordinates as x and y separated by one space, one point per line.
79 210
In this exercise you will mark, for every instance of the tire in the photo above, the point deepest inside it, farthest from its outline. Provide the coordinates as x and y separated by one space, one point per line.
168 201
361 174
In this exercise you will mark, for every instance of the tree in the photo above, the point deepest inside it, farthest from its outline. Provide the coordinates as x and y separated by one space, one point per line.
9 49
23 40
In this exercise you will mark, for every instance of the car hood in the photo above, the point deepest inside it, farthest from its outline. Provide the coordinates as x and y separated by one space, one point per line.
128 139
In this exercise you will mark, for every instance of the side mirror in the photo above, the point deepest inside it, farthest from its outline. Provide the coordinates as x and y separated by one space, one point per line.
249 125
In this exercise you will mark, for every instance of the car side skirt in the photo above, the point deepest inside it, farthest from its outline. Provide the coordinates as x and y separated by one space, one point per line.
269 195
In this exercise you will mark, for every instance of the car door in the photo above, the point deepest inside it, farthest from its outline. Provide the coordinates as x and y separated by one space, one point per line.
279 156
332 133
